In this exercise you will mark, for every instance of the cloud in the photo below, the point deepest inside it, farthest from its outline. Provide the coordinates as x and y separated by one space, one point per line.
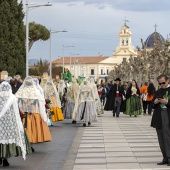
93 26
129 5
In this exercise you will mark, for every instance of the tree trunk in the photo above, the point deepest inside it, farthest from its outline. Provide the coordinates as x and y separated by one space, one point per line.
31 44
140 79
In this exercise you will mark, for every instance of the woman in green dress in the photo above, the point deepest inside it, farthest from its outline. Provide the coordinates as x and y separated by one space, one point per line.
133 103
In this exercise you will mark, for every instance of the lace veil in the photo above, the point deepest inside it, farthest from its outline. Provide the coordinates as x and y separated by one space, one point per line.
98 104
50 92
30 99
11 127
94 87
72 91
43 83
61 87
85 93
36 81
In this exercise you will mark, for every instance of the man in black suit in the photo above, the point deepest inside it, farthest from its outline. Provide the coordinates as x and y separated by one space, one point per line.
161 117
115 98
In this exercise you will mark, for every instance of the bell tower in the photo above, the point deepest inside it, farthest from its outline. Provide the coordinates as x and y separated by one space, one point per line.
125 48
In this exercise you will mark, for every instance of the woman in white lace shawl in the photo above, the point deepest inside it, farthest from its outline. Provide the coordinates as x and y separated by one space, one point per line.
71 98
85 104
36 81
43 82
32 104
61 88
99 106
50 92
12 139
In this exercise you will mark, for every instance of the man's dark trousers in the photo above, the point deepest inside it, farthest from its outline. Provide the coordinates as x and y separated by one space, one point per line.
164 136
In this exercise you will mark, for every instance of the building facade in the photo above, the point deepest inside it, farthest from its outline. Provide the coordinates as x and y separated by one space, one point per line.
86 66
99 67
125 49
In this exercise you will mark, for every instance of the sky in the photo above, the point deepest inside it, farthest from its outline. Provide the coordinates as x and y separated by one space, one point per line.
93 25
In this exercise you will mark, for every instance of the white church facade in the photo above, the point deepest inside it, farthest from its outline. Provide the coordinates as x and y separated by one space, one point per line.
125 49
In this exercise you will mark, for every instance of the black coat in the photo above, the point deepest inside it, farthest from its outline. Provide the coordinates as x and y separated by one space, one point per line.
156 121
110 103
14 89
18 84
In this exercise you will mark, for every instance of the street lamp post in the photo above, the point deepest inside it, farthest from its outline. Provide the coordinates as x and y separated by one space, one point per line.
74 66
27 31
70 59
51 32
74 62
63 55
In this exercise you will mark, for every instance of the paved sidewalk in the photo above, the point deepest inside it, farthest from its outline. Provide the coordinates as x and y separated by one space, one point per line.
48 155
117 143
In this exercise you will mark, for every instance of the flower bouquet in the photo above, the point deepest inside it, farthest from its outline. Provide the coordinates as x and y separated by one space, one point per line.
166 96
48 111
23 116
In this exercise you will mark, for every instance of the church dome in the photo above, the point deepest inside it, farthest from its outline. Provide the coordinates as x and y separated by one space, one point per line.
151 38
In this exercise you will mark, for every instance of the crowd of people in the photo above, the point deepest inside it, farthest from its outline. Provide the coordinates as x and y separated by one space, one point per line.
29 107
127 97
131 99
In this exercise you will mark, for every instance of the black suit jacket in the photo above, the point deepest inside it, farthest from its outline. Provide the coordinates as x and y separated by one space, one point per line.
156 121
111 97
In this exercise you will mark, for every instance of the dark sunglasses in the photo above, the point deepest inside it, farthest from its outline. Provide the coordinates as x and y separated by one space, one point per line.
162 83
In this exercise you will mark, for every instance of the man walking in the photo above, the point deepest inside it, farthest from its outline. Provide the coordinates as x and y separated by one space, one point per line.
115 98
161 117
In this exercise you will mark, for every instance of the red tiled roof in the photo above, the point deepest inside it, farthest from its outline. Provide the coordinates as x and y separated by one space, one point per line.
80 59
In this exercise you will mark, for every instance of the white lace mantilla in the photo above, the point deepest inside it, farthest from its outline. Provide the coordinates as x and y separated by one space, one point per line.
30 98
85 94
36 81
50 92
61 87
11 128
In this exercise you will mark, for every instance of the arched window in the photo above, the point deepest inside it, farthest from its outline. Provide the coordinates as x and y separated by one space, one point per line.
126 41
122 41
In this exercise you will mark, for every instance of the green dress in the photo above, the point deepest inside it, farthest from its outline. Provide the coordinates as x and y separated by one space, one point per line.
11 150
133 102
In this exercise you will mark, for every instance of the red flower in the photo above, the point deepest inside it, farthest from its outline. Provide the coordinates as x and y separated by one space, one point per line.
46 106
99 92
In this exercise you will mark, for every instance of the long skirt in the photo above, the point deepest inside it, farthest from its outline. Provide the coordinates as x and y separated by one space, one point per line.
36 129
99 107
58 115
133 106
69 110
11 150
86 112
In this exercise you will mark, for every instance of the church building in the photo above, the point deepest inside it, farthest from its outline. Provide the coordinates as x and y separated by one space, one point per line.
98 67
125 49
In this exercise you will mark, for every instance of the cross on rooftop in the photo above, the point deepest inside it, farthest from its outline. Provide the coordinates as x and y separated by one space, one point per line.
155 27
125 20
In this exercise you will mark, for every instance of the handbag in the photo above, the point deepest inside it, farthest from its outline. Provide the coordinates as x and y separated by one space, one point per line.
145 96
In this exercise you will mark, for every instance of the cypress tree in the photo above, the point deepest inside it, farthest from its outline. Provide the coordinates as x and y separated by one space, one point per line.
12 37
